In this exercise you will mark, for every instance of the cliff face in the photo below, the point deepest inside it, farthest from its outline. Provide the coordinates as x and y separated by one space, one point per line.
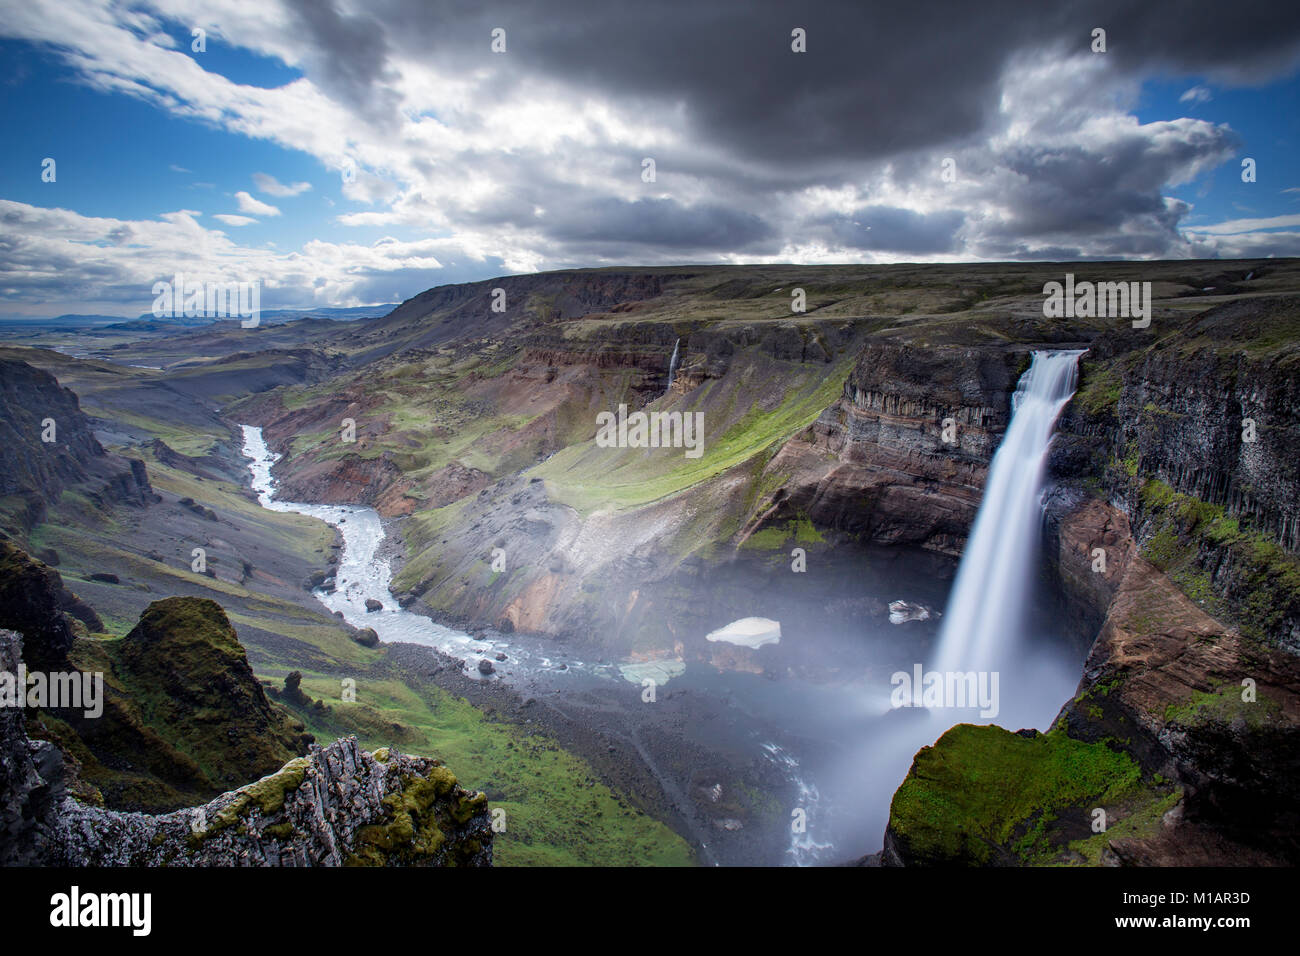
1193 677
1193 725
47 446
336 806
876 463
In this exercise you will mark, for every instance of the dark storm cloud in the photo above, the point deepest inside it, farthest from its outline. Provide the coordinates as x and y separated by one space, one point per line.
352 54
1086 193
657 222
878 79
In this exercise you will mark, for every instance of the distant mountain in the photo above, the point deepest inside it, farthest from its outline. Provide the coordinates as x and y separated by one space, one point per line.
281 316
63 321
148 321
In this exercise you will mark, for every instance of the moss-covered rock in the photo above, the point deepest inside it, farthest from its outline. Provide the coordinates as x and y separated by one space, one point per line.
185 670
986 796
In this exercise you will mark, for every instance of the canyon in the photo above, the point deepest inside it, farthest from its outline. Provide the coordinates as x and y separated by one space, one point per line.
476 433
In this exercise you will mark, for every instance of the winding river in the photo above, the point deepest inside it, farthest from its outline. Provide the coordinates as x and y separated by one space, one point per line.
364 573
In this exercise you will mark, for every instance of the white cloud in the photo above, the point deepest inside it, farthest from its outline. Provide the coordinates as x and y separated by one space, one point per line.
116 261
266 183
1063 164
1237 226
255 206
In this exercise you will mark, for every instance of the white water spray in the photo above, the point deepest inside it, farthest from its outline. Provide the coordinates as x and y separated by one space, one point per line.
986 613
672 367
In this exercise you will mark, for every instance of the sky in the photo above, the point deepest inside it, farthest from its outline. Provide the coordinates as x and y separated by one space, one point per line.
353 152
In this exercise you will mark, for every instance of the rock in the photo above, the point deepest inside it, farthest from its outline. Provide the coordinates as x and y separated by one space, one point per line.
501 655
31 594
207 725
902 611
485 666
366 637
336 806
293 689
105 577
374 605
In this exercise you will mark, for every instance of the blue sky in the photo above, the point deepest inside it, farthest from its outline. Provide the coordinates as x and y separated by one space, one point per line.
469 163
1267 120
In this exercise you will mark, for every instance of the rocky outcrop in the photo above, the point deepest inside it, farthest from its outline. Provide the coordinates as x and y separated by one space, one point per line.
47 445
1200 704
189 677
336 806
32 601
184 718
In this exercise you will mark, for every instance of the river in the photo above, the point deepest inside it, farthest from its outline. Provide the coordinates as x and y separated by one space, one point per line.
834 751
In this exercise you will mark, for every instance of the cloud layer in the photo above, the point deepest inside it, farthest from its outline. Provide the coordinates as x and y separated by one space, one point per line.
932 131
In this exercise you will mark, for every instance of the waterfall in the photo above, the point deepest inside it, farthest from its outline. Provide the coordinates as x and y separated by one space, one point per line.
987 609
672 367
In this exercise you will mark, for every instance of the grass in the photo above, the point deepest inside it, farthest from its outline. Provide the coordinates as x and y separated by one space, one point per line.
1185 529
557 812
1223 705
800 531
588 478
1100 391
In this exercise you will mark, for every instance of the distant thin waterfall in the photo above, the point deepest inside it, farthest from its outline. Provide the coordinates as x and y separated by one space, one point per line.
672 366
990 598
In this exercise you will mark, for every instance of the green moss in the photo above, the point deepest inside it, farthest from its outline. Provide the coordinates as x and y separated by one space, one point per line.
267 794
1223 705
1139 817
1131 461
416 816
1186 531
1100 391
981 788
185 670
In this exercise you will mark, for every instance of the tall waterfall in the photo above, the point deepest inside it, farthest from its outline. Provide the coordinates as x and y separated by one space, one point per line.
672 366
987 609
